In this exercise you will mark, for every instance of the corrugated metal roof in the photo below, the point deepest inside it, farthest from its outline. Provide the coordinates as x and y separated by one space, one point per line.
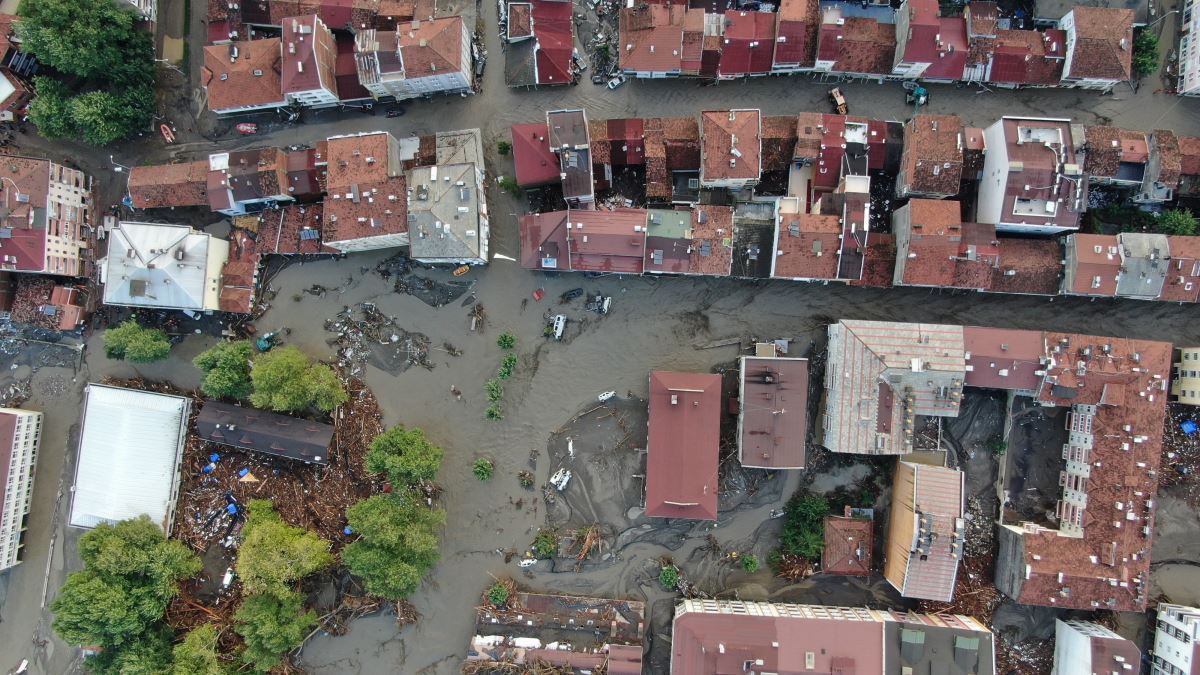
129 455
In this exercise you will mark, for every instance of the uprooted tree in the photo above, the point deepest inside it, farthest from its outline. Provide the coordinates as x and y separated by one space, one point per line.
198 653
271 624
274 555
397 545
405 456
117 601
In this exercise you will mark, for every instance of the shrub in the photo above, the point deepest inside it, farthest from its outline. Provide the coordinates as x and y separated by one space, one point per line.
525 478
494 412
132 342
272 624
1145 52
750 563
668 576
507 366
483 468
545 544
498 594
504 147
495 390
1177 221
199 653
804 525
509 184
506 341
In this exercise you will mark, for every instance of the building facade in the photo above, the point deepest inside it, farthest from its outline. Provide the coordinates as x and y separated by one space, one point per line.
49 217
1185 381
1084 648
1176 636
20 433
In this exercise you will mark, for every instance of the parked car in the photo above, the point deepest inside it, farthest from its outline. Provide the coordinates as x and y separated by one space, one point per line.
616 82
571 294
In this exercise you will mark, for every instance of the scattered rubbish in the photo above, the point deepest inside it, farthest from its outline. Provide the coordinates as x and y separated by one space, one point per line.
248 477
598 304
429 291
1189 427
364 335
347 530
570 447
527 562
560 479
538 294
228 579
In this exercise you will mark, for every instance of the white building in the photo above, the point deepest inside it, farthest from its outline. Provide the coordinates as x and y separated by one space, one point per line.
1176 636
309 62
163 267
1189 51
417 59
1099 47
130 449
1033 182
1085 648
20 431
447 215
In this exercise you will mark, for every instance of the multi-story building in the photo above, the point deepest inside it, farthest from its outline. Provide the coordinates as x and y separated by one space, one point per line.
20 433
734 636
367 205
447 214
1084 648
160 266
1188 83
1185 381
243 76
772 425
931 164
48 217
569 138
419 58
929 46
1032 180
926 531
1176 640
309 74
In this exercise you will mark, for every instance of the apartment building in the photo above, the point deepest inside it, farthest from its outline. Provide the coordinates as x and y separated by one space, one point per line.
20 433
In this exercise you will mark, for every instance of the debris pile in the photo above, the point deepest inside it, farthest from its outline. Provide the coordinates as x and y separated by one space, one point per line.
213 494
364 335
1181 451
429 291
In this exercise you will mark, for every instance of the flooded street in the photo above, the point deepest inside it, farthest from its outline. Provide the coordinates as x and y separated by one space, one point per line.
655 323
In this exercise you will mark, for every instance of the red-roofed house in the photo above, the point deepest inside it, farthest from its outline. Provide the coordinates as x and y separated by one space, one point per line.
309 60
554 32
796 36
682 445
925 531
855 45
748 44
1183 270
1099 47
731 148
807 247
1026 58
1093 265
652 40
47 212
243 76
1032 180
419 58
169 185
773 417
535 163
935 248
928 46
581 240
1083 648
367 205
849 544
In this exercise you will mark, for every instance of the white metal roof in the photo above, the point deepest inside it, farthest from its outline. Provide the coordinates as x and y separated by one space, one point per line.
164 266
129 455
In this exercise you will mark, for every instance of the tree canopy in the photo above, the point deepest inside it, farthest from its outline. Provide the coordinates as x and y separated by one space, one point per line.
110 60
285 379
131 571
804 525
398 542
197 654
405 455
1145 52
226 369
130 341
149 655
274 554
1177 221
271 624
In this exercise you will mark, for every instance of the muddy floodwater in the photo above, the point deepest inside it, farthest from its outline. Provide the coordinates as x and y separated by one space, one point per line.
653 324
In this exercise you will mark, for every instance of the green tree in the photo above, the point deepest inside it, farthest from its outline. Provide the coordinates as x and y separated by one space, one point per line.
77 37
284 379
498 594
397 545
198 655
506 341
226 369
50 110
504 147
271 624
510 185
150 654
1177 221
804 525
668 577
406 456
131 571
1145 52
100 116
495 390
131 342
274 554
545 544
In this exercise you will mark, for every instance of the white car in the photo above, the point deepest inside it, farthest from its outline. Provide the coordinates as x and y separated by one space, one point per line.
560 325
616 82
560 479
606 396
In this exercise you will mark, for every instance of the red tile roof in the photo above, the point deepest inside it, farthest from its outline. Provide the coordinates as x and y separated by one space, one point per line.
848 546
723 133
555 34
1097 261
520 20
857 45
607 241
544 238
932 160
430 48
682 447
252 79
534 162
939 42
999 358
749 43
283 231
796 32
1028 266
1103 43
309 55
1183 270
1169 157
945 252
651 38
1189 154
1028 57
807 247
166 185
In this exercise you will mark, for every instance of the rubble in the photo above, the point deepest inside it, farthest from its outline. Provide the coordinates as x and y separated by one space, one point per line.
365 335
1181 452
429 291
